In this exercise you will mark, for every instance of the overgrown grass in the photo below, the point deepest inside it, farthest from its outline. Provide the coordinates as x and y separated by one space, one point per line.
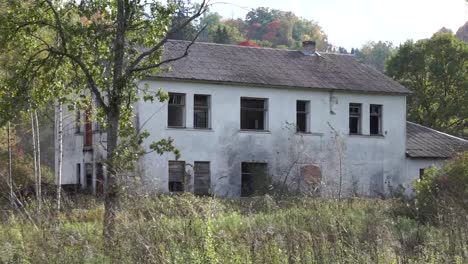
189 229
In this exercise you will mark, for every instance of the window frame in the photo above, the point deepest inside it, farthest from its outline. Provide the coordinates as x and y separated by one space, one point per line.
306 112
265 113
207 108
251 173
195 173
353 115
379 115
169 181
183 106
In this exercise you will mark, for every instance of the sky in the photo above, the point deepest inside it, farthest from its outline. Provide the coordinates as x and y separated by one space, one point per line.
352 23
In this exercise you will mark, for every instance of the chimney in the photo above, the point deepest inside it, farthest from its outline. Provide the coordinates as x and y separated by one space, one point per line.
308 48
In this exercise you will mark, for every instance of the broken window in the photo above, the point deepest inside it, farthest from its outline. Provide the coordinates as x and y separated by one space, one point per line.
302 116
201 111
202 181
176 110
176 176
354 118
89 176
254 177
254 113
375 119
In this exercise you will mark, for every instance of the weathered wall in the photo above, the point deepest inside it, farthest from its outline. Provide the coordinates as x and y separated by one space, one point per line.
412 170
369 164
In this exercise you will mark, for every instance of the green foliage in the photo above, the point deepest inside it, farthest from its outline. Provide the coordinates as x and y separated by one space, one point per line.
436 70
189 229
375 54
442 190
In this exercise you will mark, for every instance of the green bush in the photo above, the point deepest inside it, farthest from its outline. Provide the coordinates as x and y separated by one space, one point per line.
442 190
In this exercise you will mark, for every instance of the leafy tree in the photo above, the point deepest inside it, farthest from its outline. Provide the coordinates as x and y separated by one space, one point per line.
184 10
436 70
248 43
462 32
221 36
97 47
375 54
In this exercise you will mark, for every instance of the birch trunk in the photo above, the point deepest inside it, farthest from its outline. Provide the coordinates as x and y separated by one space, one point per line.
36 179
60 155
38 156
10 176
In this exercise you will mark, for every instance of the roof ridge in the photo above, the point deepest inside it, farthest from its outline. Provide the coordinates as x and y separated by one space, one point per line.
248 47
439 132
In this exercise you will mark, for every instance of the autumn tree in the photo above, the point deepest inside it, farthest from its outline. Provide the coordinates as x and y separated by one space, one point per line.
436 70
96 47
375 53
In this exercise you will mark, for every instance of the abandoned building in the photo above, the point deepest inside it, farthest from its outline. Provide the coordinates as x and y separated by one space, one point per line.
248 118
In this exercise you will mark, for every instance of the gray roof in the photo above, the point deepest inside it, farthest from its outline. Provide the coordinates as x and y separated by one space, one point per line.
424 142
230 64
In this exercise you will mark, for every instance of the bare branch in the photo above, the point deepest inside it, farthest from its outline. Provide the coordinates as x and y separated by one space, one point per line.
143 55
172 59
58 22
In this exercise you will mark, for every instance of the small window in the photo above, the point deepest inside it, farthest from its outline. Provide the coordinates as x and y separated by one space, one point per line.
253 177
302 116
89 176
78 174
88 140
421 173
254 113
355 119
375 119
176 110
202 181
201 111
176 176
77 121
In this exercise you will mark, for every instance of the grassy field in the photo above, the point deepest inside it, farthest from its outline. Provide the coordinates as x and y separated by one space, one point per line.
189 229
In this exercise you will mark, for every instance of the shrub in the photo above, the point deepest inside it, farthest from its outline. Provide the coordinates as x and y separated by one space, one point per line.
442 190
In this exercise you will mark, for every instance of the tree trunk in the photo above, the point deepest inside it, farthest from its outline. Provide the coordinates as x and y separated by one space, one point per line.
10 176
36 180
60 155
111 194
38 155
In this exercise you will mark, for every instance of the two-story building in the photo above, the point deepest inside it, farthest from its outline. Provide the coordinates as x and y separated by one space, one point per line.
245 119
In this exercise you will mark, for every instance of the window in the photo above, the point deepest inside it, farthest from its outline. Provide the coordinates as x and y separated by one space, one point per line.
78 174
302 116
89 176
77 121
375 119
201 111
202 181
88 141
254 113
176 176
99 179
253 177
421 173
176 110
354 118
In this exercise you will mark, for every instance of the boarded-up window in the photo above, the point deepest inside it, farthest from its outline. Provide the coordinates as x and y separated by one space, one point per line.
89 175
201 111
302 116
375 119
354 118
176 176
202 181
254 177
254 113
78 174
176 110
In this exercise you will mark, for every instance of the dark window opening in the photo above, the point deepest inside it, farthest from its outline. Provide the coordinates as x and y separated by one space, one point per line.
302 116
354 118
78 174
176 110
89 176
253 113
375 119
99 179
201 111
176 176
421 173
254 177
202 181
88 142
77 121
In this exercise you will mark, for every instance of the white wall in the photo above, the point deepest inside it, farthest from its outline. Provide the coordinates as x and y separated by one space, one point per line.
369 164
412 170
